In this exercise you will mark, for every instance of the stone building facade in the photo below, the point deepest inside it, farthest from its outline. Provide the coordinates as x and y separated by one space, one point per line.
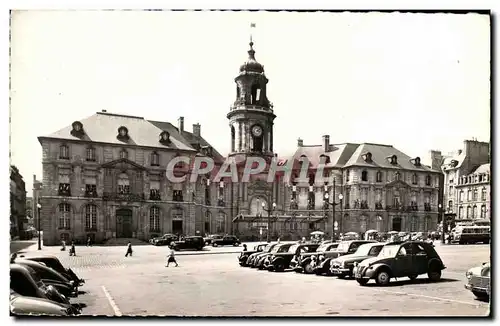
17 202
104 177
473 194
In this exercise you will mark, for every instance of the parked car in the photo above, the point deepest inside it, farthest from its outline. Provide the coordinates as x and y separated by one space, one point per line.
164 240
54 263
25 281
343 248
308 261
244 255
253 258
208 239
280 261
51 277
344 265
478 281
192 242
400 259
227 240
21 305
264 260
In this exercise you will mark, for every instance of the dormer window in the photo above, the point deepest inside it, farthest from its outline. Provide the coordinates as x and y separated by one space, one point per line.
397 176
324 159
165 138
207 151
124 154
77 130
367 157
416 161
454 163
64 152
394 160
123 134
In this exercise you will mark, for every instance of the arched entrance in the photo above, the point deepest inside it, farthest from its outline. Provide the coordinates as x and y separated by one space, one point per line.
396 224
177 221
124 223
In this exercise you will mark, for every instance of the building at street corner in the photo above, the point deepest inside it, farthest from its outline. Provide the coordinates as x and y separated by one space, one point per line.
17 203
105 177
467 182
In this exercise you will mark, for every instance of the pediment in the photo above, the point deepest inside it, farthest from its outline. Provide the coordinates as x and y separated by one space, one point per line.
397 184
124 164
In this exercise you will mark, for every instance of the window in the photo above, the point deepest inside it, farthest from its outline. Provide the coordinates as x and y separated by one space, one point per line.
460 212
364 175
64 152
123 184
483 211
64 185
428 180
347 175
450 191
483 194
474 211
324 159
394 160
155 159
461 196
90 190
90 154
91 217
468 212
474 195
64 216
397 176
379 176
207 195
124 154
414 179
177 195
469 192
220 222
154 219
450 204
480 178
311 201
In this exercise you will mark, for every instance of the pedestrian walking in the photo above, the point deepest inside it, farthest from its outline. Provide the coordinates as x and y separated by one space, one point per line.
63 245
171 258
278 240
72 251
244 247
129 249
89 242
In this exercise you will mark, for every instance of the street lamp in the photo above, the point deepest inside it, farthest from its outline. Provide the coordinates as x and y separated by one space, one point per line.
269 211
440 207
39 207
333 204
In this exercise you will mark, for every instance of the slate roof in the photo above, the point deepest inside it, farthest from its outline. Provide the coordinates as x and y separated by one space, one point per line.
103 127
483 168
349 154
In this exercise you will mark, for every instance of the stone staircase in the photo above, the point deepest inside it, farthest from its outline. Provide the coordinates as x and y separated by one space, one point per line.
124 242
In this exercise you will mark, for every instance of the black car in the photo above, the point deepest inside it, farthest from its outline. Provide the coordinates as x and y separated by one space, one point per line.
54 263
243 258
400 259
193 242
21 305
264 259
164 240
281 260
210 238
227 240
253 258
306 262
343 248
343 265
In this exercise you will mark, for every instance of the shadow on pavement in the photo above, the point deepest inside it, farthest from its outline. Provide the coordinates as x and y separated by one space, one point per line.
417 281
16 246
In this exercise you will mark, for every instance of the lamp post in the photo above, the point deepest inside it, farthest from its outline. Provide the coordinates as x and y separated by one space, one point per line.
39 208
333 204
440 207
269 211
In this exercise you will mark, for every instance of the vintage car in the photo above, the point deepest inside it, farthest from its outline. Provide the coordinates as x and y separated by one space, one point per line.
478 281
164 240
192 242
306 262
280 261
253 258
343 248
54 263
244 255
342 266
51 277
22 306
208 239
400 259
227 240
25 281
265 258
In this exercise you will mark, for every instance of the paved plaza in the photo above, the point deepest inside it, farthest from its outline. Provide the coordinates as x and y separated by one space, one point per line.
211 283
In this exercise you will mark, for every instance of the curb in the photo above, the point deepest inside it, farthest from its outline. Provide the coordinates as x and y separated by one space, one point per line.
205 253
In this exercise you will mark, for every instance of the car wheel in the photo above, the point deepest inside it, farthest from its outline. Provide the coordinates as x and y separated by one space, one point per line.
434 274
341 276
308 269
362 281
206 243
382 277
481 296
214 245
412 277
279 267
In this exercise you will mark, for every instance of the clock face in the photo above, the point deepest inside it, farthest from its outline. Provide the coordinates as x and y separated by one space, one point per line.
257 131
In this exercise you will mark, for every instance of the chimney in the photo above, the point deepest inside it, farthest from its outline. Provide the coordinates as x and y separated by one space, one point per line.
180 125
104 111
459 151
326 143
300 142
197 129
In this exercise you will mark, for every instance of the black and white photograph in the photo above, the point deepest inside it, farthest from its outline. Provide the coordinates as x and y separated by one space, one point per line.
271 163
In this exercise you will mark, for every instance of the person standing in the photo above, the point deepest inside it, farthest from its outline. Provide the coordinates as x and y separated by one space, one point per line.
72 251
171 258
244 247
129 249
89 242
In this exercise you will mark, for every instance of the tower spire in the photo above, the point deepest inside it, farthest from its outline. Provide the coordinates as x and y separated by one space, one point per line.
251 52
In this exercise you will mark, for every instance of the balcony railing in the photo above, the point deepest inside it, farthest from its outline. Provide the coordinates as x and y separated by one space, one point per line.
122 197
154 195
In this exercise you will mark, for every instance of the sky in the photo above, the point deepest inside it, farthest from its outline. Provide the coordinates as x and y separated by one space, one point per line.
416 81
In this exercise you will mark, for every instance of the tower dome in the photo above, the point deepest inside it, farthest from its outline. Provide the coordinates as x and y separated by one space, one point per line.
251 65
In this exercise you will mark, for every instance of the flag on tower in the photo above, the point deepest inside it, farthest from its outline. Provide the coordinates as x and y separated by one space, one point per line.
252 25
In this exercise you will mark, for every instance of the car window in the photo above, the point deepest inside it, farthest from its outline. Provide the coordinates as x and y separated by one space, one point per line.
354 246
374 251
405 250
418 250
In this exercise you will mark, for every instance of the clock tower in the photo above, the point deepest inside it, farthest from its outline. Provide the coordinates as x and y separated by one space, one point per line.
251 115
